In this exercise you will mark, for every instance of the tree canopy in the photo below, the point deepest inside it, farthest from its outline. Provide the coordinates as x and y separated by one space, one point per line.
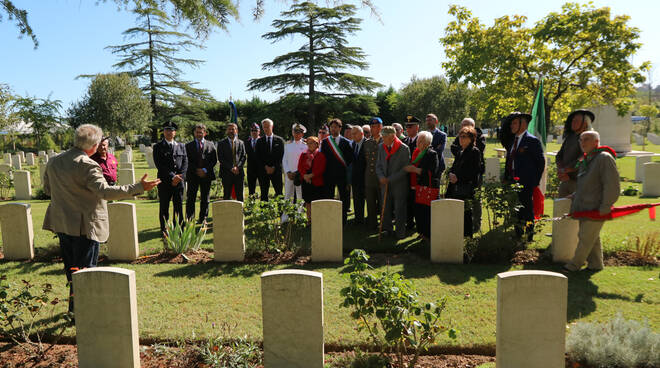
322 60
42 113
115 103
582 53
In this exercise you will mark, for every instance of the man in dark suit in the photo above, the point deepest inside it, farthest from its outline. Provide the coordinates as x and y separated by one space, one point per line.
439 138
202 158
525 164
252 159
338 156
359 168
172 163
231 154
412 129
270 150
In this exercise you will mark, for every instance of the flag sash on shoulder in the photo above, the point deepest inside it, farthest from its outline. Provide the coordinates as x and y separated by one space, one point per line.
336 151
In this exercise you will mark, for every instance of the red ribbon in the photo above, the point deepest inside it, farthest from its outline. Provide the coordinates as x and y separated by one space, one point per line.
617 212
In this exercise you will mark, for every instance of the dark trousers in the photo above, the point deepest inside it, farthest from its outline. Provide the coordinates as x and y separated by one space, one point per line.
373 195
78 252
252 176
204 185
167 193
344 195
526 214
358 202
410 209
229 180
265 180
423 219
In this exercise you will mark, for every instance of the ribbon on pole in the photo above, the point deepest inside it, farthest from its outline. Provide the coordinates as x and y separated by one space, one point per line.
617 212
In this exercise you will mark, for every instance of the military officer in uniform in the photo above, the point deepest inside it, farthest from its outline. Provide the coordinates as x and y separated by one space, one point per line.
172 162
252 159
371 182
292 152
412 128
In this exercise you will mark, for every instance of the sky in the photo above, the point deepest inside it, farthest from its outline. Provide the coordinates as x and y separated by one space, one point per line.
404 43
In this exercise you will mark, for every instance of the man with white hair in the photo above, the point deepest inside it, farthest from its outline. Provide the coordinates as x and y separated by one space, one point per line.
270 150
597 189
78 212
366 129
399 130
292 152
393 157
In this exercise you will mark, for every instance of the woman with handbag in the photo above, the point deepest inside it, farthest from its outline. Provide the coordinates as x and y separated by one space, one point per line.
311 166
464 174
425 180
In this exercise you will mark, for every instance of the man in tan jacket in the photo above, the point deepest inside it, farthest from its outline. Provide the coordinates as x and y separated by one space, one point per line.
77 212
597 190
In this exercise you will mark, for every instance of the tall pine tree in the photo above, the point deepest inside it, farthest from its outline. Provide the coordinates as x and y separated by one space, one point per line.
152 59
322 59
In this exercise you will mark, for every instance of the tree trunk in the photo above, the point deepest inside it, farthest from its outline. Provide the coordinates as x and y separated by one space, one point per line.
152 83
311 100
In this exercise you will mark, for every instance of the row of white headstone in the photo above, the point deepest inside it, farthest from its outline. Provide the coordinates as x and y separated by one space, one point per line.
293 323
447 242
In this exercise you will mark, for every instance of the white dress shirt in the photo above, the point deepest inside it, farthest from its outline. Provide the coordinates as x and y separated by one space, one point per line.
292 152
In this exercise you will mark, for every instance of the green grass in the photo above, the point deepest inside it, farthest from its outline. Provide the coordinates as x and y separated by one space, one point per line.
182 301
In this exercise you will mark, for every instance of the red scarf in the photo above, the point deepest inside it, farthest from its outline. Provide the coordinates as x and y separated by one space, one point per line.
395 147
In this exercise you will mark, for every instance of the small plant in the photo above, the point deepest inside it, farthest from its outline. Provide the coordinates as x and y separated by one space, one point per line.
6 184
24 313
389 309
41 195
152 194
618 343
501 204
183 237
648 247
359 359
630 191
264 228
226 352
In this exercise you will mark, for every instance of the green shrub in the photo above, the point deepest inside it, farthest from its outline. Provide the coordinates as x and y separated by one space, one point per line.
152 194
6 184
630 191
264 228
46 142
183 237
26 312
500 202
619 343
389 309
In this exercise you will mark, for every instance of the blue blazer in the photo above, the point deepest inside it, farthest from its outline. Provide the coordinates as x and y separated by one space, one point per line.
529 162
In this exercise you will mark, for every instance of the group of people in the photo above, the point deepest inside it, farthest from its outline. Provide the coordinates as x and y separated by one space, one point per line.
396 176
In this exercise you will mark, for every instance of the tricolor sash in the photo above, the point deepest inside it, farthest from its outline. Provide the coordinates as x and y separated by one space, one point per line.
336 151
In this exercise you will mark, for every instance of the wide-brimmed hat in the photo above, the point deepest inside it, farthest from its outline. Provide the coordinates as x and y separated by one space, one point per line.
505 136
569 119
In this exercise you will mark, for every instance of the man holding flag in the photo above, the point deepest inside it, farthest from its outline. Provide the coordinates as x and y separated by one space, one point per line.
338 155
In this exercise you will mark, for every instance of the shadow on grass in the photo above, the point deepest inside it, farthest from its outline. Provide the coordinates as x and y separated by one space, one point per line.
150 234
209 270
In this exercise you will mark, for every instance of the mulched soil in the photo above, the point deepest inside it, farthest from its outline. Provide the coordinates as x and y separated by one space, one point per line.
198 256
628 258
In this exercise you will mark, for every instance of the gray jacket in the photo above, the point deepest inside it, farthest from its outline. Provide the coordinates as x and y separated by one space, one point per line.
393 169
597 185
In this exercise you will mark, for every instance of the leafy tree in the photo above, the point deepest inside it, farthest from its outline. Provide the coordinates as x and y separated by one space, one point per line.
20 16
42 114
582 53
6 103
115 103
387 101
152 58
449 101
322 59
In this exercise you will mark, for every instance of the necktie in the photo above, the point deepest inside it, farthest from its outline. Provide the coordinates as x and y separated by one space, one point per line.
200 163
254 141
356 149
233 152
512 156
270 145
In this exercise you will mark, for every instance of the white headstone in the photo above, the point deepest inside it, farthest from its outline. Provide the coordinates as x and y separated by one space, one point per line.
16 162
106 318
42 173
22 185
651 186
292 311
41 153
564 232
447 231
5 169
228 231
29 159
653 138
123 241
327 231
149 156
21 155
560 139
639 166
531 319
126 176
126 165
17 232
50 152
124 157
8 159
492 170
549 138
614 130
639 140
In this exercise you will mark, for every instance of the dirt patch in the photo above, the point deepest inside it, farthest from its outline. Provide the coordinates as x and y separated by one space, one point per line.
197 256
527 256
629 258
276 258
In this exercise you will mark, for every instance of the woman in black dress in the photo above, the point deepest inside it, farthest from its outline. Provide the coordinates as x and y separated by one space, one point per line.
464 174
425 171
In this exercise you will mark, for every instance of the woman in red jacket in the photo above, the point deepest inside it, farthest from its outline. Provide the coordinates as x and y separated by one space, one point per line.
311 166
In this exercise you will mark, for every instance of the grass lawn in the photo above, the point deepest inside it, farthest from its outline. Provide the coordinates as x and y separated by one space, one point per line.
186 301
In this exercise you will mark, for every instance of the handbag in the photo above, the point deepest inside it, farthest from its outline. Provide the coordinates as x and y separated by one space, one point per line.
426 194
297 179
